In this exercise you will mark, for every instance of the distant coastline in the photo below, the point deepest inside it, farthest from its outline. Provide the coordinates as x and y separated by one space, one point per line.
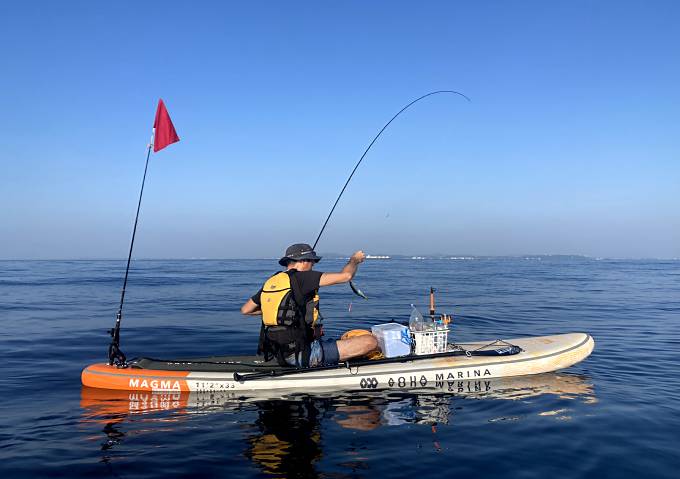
399 257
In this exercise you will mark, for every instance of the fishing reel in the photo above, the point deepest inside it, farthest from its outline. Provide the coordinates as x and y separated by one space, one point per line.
116 356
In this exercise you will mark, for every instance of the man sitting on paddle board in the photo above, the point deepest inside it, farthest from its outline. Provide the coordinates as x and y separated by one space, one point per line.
289 304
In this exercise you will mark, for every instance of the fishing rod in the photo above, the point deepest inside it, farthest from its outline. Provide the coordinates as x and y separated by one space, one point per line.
116 356
354 288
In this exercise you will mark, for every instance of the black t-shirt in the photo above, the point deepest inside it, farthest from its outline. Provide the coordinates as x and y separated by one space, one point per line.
308 281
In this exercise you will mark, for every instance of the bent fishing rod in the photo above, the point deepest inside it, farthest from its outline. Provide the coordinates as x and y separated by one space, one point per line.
351 284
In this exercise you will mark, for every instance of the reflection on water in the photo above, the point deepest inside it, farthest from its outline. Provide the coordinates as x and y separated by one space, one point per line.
287 432
288 436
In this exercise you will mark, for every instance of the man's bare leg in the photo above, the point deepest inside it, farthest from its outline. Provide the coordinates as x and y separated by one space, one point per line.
356 346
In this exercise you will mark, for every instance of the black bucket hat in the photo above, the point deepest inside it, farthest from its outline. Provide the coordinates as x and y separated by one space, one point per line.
299 252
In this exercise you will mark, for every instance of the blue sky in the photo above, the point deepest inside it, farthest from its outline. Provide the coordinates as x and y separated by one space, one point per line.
570 144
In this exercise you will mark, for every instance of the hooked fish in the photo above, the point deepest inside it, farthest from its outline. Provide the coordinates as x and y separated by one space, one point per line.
356 290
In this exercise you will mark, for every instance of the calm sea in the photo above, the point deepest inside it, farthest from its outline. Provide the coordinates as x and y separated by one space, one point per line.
617 414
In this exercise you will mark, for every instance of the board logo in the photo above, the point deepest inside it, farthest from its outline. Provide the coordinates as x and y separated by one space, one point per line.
155 384
369 383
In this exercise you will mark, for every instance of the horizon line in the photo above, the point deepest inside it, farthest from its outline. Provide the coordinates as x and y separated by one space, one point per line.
339 256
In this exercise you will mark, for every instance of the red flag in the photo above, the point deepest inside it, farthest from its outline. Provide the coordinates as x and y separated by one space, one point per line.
165 131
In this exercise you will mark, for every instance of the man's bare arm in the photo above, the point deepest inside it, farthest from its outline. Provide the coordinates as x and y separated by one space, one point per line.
347 273
251 308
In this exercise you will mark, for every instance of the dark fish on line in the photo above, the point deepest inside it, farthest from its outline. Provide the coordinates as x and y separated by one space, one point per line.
356 290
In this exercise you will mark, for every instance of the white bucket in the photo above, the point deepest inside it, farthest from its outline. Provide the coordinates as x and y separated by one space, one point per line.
394 339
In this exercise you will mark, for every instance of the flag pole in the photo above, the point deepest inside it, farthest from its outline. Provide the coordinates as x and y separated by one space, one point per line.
116 356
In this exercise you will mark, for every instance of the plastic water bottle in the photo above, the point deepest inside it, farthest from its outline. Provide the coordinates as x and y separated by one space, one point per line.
416 321
428 324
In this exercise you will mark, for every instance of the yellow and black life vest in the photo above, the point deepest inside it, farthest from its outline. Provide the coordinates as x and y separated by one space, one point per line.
279 303
287 322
